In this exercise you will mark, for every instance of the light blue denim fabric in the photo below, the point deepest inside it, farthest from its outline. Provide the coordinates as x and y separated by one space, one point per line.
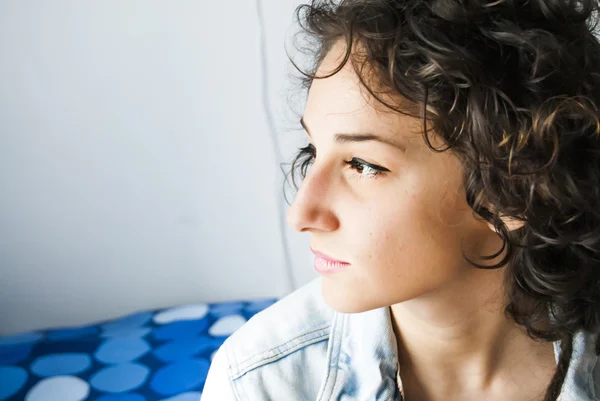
300 349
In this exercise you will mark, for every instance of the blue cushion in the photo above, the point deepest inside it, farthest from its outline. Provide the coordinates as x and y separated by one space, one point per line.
159 355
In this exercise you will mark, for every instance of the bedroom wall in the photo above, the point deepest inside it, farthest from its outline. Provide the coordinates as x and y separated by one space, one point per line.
139 157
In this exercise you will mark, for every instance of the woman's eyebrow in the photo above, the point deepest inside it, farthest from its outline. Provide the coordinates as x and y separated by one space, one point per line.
358 137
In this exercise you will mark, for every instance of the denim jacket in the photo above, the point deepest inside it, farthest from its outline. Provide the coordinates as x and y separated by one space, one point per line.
301 349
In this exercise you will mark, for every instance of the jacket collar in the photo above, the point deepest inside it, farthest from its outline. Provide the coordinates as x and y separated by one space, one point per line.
362 360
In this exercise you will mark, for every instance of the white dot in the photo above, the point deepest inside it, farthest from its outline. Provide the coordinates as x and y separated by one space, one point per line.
226 325
187 312
212 356
59 388
189 396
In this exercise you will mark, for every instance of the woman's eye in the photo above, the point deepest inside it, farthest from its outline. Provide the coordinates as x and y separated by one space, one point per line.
363 168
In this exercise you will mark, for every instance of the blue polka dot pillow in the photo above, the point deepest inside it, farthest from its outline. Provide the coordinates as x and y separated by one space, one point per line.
149 356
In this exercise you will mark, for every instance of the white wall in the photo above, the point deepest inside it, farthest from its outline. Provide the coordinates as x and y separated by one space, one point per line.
137 166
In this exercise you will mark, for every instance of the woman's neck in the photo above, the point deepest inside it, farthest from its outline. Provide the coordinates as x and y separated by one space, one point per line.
465 344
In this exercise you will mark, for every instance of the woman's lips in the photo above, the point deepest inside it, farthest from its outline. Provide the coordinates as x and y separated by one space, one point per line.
330 259
324 264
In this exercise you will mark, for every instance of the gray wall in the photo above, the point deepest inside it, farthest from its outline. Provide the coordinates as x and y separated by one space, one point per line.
139 157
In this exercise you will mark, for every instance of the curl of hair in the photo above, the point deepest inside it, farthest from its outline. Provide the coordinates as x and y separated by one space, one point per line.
513 89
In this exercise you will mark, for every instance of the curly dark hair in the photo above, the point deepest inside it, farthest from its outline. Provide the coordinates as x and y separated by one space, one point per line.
512 87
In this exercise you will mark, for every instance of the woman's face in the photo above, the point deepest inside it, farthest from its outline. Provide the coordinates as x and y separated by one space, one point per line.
402 230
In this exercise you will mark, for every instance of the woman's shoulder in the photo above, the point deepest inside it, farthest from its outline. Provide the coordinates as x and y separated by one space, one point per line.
281 350
296 321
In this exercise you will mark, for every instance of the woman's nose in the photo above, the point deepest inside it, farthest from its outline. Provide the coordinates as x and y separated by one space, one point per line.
312 208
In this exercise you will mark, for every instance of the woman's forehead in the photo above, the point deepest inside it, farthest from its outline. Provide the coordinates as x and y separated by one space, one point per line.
338 104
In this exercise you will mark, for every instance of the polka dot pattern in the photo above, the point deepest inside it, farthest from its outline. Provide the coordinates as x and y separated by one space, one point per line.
120 378
25 338
126 333
59 388
187 348
61 364
13 354
225 326
188 312
11 380
179 377
189 396
161 355
124 397
69 334
180 330
119 350
226 309
129 322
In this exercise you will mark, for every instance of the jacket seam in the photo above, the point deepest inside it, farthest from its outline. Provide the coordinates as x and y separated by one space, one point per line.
591 382
232 384
278 355
332 357
287 342
268 355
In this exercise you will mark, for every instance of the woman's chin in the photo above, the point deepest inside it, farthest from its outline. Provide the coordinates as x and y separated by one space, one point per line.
343 299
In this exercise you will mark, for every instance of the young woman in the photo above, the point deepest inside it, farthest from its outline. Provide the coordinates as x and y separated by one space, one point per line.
452 194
